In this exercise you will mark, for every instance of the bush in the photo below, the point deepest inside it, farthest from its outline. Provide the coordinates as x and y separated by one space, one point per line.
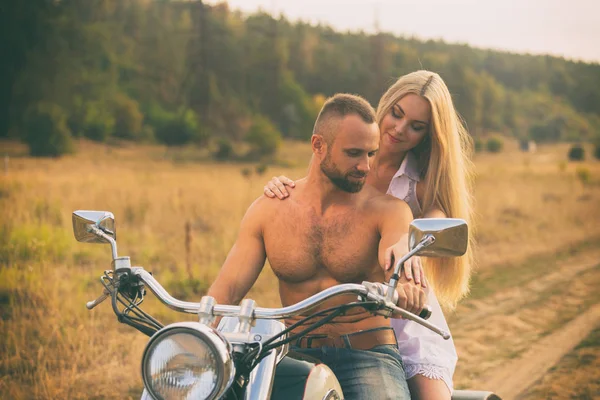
549 131
576 153
597 150
246 172
494 144
263 137
128 118
224 149
260 169
175 129
46 131
156 116
98 122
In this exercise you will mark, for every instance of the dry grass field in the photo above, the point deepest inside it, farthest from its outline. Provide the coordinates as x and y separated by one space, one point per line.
538 253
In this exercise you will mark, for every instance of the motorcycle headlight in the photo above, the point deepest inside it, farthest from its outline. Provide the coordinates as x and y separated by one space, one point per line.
187 360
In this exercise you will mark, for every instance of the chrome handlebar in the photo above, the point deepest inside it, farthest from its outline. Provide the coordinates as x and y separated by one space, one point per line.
367 290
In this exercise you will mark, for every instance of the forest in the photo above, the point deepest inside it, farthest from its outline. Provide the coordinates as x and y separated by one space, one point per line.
185 72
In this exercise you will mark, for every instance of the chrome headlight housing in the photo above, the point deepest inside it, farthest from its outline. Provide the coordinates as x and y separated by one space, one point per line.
187 360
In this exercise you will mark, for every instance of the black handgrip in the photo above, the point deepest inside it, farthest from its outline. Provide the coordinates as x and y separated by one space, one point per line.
425 312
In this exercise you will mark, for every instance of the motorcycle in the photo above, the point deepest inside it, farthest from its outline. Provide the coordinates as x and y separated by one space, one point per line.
248 355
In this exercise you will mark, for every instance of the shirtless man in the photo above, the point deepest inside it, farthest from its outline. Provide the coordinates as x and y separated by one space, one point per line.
332 230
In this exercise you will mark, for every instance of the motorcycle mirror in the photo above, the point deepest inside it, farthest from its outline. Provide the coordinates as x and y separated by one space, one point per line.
83 220
451 236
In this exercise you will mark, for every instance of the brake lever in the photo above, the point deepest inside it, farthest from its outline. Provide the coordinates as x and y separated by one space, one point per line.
91 304
408 315
379 292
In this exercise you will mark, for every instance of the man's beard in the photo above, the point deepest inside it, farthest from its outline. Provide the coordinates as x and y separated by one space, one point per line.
341 181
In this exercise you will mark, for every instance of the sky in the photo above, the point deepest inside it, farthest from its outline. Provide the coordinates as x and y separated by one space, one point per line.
567 28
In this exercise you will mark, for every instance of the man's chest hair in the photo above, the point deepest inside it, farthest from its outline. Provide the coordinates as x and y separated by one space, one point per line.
341 245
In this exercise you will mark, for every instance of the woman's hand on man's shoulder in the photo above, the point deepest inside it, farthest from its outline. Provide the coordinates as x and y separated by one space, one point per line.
276 187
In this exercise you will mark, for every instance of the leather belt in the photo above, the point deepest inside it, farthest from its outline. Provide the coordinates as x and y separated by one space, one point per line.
362 340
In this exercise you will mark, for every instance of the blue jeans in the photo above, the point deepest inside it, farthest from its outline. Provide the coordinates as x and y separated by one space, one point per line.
375 374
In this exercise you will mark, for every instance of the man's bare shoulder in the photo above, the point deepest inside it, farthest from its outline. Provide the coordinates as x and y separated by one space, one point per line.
263 206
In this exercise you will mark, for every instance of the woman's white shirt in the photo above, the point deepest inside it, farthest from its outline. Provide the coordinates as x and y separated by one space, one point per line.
423 351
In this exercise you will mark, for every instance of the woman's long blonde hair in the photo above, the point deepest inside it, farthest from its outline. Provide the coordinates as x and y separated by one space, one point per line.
445 166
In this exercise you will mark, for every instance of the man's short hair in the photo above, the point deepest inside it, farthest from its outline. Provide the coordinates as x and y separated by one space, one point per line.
336 108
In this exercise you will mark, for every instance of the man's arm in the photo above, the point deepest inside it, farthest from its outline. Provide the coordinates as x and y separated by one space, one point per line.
393 228
245 260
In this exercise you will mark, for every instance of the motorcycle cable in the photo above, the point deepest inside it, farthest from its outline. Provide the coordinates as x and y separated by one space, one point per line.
269 345
138 290
335 312
253 357
142 321
330 313
141 315
258 354
137 323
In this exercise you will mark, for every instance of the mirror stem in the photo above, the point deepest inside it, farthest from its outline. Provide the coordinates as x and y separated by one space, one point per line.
393 284
113 243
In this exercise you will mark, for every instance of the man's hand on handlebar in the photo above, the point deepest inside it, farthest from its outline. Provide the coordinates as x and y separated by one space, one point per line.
411 297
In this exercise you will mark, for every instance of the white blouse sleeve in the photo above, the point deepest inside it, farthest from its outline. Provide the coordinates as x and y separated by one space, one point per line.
423 351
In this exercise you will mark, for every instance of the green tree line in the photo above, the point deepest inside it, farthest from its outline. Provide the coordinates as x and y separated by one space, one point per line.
181 72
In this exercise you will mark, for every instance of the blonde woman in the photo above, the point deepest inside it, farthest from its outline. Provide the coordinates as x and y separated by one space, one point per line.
423 159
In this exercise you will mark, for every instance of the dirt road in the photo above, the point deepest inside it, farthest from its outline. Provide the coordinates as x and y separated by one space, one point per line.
514 378
529 316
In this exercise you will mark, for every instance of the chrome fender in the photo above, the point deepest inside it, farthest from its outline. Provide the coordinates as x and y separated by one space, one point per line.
322 384
301 377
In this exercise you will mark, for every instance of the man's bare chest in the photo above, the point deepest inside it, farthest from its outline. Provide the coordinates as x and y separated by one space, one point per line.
302 246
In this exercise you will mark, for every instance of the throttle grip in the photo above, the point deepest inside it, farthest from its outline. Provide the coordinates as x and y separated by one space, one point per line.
425 312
